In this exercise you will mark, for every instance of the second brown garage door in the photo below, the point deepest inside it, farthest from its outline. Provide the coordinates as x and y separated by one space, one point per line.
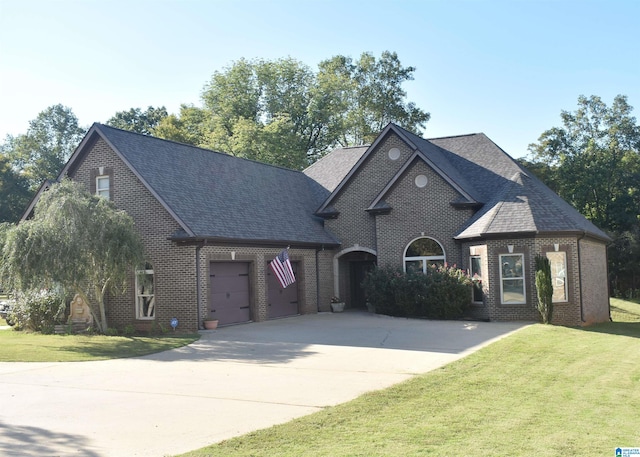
282 302
229 292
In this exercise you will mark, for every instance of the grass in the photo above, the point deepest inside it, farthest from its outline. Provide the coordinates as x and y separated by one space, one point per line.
33 347
544 391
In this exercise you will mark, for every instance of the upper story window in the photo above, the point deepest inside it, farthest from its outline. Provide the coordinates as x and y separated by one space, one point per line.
422 253
102 186
512 287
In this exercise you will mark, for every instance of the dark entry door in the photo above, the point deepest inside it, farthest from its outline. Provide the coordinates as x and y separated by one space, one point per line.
282 302
229 302
359 270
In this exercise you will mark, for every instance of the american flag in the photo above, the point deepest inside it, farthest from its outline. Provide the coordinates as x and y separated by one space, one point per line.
281 267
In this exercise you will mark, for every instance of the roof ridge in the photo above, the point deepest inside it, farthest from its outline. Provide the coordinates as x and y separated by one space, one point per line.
454 136
195 147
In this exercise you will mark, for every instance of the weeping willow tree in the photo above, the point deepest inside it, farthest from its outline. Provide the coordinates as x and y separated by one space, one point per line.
75 240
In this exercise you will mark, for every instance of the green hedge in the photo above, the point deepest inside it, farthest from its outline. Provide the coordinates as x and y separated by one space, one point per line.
443 293
38 310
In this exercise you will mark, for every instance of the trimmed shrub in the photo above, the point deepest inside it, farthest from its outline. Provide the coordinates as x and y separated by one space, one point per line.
443 293
38 310
380 287
544 288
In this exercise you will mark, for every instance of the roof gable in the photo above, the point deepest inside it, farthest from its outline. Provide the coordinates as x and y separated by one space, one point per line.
217 196
379 203
432 154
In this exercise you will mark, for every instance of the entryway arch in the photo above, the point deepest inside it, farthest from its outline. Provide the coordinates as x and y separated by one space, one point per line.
349 269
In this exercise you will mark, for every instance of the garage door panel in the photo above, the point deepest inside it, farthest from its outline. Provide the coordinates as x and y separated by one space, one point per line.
229 299
282 302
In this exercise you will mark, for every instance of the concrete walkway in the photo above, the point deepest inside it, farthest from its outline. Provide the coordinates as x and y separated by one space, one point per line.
232 381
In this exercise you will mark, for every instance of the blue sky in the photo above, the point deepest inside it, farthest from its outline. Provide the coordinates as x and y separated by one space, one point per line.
505 68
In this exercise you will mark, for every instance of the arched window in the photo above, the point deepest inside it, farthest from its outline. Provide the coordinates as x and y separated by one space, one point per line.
145 296
423 252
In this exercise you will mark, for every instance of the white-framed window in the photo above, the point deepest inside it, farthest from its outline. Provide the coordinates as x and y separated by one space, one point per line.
475 262
423 252
558 261
102 186
145 296
512 286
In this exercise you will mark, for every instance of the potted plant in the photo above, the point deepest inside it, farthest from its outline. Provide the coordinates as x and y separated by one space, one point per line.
210 323
337 305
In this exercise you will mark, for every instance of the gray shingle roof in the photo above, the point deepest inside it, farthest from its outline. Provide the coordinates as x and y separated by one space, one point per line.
513 200
219 196
332 168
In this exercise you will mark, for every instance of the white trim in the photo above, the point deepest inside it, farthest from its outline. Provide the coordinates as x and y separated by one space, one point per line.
100 191
336 265
424 259
556 279
139 315
515 278
471 273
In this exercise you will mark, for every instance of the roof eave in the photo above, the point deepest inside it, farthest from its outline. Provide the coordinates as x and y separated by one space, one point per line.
210 240
530 234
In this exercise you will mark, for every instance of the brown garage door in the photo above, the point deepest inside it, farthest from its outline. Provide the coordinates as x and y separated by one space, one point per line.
229 294
282 302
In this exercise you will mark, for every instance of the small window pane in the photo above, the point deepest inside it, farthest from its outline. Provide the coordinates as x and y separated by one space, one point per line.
513 291
424 247
511 266
102 186
414 266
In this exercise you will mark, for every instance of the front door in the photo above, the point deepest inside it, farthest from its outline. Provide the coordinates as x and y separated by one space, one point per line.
358 271
229 294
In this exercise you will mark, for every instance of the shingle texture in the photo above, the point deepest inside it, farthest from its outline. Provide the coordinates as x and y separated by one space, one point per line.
330 170
219 196
510 198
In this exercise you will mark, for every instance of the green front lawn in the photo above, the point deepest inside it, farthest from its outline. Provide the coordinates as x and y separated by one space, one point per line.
33 347
544 391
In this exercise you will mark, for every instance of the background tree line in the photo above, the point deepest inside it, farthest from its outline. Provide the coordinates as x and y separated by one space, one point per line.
593 162
279 112
282 112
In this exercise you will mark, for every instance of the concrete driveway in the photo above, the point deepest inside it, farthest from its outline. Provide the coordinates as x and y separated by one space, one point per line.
232 381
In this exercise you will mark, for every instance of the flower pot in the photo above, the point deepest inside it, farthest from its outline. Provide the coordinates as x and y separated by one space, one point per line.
337 307
210 324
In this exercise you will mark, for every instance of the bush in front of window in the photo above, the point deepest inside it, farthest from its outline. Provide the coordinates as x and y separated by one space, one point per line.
448 294
380 285
442 293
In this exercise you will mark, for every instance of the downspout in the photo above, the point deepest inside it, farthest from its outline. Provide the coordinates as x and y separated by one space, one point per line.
198 294
318 280
580 275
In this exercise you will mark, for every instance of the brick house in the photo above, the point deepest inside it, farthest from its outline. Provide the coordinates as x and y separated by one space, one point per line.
211 223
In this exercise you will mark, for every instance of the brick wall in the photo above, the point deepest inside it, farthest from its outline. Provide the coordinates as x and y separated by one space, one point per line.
354 225
259 257
419 212
595 292
174 266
